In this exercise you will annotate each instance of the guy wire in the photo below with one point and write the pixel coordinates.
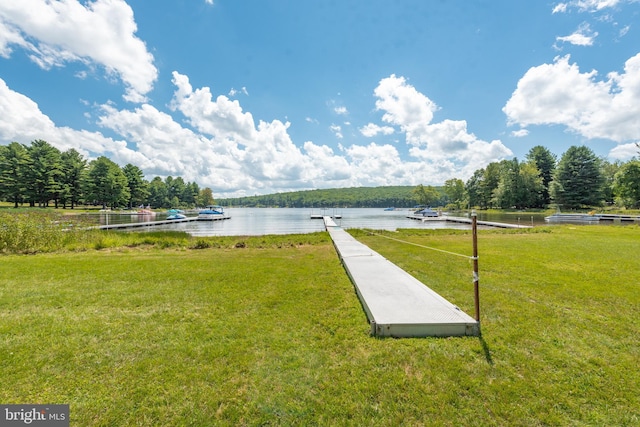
(421, 246)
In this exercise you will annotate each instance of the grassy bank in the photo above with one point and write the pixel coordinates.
(254, 332)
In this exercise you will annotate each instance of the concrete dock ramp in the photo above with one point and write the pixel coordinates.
(396, 303)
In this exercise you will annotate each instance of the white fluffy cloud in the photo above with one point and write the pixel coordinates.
(583, 36)
(371, 129)
(219, 145)
(101, 32)
(22, 121)
(559, 94)
(446, 149)
(624, 151)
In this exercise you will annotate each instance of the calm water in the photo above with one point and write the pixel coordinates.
(260, 221)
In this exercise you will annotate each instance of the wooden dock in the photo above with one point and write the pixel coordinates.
(463, 220)
(153, 223)
(396, 303)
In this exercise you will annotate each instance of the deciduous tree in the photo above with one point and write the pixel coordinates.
(626, 185)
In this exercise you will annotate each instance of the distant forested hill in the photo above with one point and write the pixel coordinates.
(359, 197)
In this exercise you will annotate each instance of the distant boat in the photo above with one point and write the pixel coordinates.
(571, 217)
(390, 209)
(212, 212)
(176, 216)
(426, 212)
(147, 212)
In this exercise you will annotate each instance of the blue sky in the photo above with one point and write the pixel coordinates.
(262, 96)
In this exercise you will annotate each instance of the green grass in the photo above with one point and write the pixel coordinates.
(269, 331)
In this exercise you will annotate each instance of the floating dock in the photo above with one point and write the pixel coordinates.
(463, 220)
(152, 223)
(396, 303)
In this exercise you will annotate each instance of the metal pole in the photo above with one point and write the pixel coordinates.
(476, 277)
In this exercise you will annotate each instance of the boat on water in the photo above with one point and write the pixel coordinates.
(427, 213)
(212, 213)
(176, 216)
(146, 212)
(572, 217)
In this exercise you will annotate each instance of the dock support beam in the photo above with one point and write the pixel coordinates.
(476, 276)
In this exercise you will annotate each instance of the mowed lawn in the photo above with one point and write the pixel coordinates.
(277, 336)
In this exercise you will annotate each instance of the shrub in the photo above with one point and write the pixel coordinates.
(31, 232)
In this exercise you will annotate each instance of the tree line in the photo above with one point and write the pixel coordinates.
(579, 179)
(39, 173)
(355, 197)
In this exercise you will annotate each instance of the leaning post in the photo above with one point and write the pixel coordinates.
(476, 277)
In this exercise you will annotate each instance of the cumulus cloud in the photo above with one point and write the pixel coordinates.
(624, 151)
(560, 94)
(371, 129)
(22, 121)
(404, 106)
(520, 133)
(101, 32)
(447, 149)
(216, 143)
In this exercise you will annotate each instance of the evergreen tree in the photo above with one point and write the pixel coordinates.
(14, 163)
(44, 175)
(106, 183)
(577, 181)
(138, 186)
(175, 190)
(545, 161)
(190, 194)
(158, 195)
(74, 166)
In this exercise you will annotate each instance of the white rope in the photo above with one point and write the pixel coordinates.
(422, 246)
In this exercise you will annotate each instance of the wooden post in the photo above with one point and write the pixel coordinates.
(476, 277)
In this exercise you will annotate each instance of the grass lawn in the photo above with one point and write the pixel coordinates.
(277, 336)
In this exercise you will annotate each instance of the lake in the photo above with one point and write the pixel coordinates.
(261, 221)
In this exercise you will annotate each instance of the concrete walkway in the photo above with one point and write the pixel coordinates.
(396, 303)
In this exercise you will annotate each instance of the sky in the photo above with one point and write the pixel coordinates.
(254, 97)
